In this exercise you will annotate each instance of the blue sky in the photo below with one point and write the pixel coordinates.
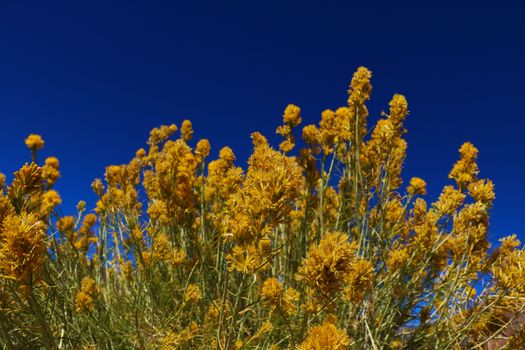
(94, 77)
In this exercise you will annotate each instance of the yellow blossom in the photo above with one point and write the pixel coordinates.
(227, 155)
(397, 258)
(193, 294)
(311, 135)
(292, 115)
(325, 336)
(359, 280)
(66, 224)
(417, 186)
(141, 153)
(34, 142)
(482, 191)
(86, 296)
(449, 200)
(23, 248)
(186, 130)
(465, 170)
(360, 87)
(203, 148)
(272, 291)
(328, 264)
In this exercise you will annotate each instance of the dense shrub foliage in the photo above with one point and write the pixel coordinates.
(315, 245)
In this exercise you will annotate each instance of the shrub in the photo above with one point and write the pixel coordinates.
(313, 248)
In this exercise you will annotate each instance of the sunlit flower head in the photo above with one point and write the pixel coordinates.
(324, 337)
(292, 115)
(23, 248)
(417, 186)
(86, 296)
(34, 142)
(203, 148)
(186, 130)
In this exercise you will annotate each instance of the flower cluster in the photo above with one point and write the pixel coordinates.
(313, 245)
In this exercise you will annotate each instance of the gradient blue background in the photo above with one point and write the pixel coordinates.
(93, 77)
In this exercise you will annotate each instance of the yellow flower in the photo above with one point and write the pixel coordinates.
(98, 187)
(203, 148)
(359, 280)
(272, 291)
(170, 341)
(244, 260)
(158, 211)
(417, 186)
(289, 301)
(328, 264)
(23, 248)
(397, 258)
(50, 170)
(193, 294)
(189, 332)
(311, 135)
(287, 145)
(360, 87)
(66, 224)
(162, 247)
(34, 142)
(88, 223)
(449, 200)
(227, 155)
(50, 200)
(86, 296)
(114, 174)
(508, 270)
(482, 191)
(398, 110)
(141, 153)
(292, 115)
(325, 337)
(396, 344)
(186, 130)
(158, 135)
(465, 170)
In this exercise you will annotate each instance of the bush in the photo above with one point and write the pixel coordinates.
(320, 248)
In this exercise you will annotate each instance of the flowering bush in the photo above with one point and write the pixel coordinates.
(317, 248)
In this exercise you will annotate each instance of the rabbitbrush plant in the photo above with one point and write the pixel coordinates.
(321, 247)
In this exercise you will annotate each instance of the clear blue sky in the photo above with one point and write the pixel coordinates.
(93, 77)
